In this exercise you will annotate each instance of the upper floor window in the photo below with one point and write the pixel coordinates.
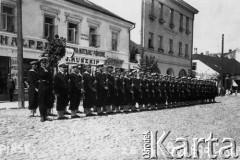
(180, 49)
(94, 39)
(181, 22)
(161, 18)
(194, 66)
(186, 50)
(115, 41)
(160, 39)
(187, 26)
(171, 12)
(150, 40)
(170, 46)
(50, 30)
(151, 14)
(72, 32)
(8, 18)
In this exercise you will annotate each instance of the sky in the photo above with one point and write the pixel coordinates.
(215, 17)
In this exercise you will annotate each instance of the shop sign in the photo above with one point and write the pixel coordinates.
(69, 52)
(114, 62)
(81, 60)
(40, 45)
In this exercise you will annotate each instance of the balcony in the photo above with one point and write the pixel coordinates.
(152, 16)
(181, 29)
(171, 25)
(188, 31)
(161, 21)
(8, 22)
(160, 50)
(94, 40)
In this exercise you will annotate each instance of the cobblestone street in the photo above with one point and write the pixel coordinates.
(116, 136)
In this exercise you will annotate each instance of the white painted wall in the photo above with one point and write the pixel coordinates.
(204, 71)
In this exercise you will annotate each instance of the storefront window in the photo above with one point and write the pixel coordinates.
(4, 71)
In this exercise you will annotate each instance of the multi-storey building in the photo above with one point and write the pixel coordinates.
(95, 34)
(167, 34)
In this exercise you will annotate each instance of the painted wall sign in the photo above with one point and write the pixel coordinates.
(81, 60)
(41, 45)
(114, 62)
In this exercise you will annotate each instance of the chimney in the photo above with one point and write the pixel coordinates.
(207, 53)
(195, 50)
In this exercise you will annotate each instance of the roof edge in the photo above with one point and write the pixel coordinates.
(111, 14)
(188, 6)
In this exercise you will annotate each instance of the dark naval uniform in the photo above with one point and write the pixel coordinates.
(44, 90)
(32, 90)
(61, 88)
(75, 91)
(90, 91)
(100, 88)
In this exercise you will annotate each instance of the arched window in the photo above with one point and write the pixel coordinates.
(182, 73)
(170, 72)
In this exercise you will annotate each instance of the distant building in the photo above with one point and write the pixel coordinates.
(232, 54)
(209, 67)
(167, 34)
(95, 34)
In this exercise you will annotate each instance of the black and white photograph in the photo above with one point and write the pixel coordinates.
(119, 79)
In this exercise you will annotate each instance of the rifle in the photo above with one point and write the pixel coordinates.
(82, 91)
(140, 87)
(115, 84)
(107, 83)
(132, 90)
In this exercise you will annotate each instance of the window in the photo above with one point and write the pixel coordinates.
(160, 38)
(171, 18)
(94, 39)
(49, 29)
(114, 41)
(170, 46)
(187, 26)
(180, 49)
(8, 19)
(151, 14)
(150, 40)
(181, 23)
(186, 50)
(161, 10)
(72, 32)
(194, 66)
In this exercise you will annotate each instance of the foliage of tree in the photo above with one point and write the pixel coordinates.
(149, 64)
(55, 50)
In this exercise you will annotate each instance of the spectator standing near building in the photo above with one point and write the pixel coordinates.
(10, 87)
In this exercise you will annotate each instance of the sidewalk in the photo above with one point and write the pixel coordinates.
(10, 105)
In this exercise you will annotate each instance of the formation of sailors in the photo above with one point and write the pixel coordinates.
(109, 91)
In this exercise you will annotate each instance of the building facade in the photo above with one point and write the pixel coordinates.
(167, 34)
(95, 34)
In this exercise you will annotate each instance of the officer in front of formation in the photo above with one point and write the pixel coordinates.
(44, 89)
(61, 89)
(75, 90)
(33, 88)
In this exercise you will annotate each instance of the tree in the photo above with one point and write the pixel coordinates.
(149, 64)
(55, 50)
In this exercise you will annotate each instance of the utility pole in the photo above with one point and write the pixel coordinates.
(20, 55)
(222, 63)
